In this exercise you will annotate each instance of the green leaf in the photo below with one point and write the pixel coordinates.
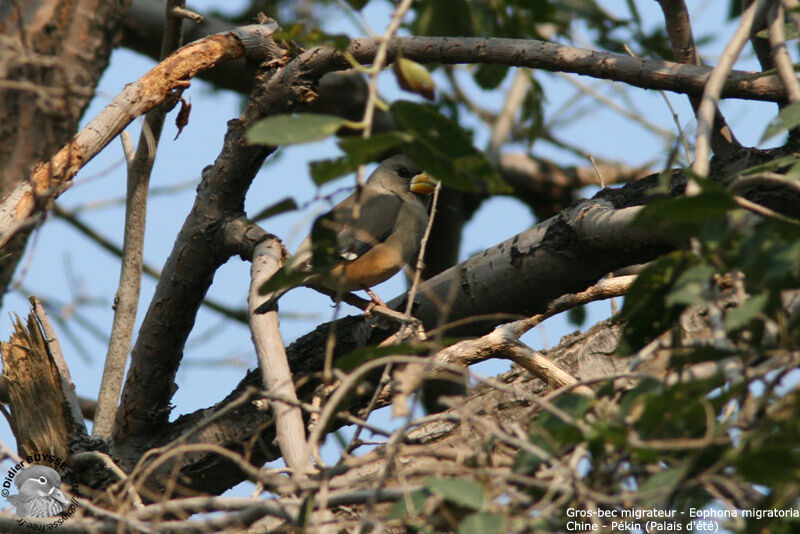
(458, 491)
(690, 285)
(788, 118)
(312, 36)
(528, 462)
(663, 483)
(283, 279)
(746, 311)
(577, 316)
(282, 206)
(789, 30)
(306, 509)
(559, 431)
(400, 509)
(772, 165)
(482, 523)
(374, 147)
(645, 312)
(444, 18)
(759, 466)
(324, 242)
(293, 129)
(413, 77)
(444, 149)
(687, 214)
(325, 170)
(490, 76)
(357, 4)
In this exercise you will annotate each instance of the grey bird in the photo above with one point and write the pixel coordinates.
(365, 239)
(40, 492)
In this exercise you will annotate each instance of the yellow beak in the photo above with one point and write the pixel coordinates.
(423, 184)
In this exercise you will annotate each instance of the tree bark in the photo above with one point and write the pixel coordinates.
(59, 50)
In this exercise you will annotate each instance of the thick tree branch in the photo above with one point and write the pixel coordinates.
(142, 27)
(638, 72)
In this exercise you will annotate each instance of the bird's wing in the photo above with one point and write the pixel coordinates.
(375, 222)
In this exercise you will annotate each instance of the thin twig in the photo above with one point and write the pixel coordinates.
(672, 111)
(505, 121)
(713, 89)
(423, 244)
(780, 54)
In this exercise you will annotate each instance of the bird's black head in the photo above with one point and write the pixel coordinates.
(400, 174)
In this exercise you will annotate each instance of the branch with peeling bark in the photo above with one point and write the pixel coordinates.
(50, 179)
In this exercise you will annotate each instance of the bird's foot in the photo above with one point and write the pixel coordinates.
(376, 301)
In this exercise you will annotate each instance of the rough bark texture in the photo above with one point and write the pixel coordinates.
(54, 51)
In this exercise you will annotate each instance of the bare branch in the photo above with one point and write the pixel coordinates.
(780, 55)
(679, 29)
(715, 87)
(126, 301)
(269, 256)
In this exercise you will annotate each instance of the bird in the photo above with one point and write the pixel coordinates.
(363, 240)
(40, 492)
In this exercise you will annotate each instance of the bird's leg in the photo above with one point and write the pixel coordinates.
(376, 301)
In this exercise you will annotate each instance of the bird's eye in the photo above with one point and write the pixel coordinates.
(404, 172)
(42, 480)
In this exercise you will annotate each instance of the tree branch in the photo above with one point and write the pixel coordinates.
(49, 179)
(268, 257)
(715, 87)
(679, 29)
(126, 301)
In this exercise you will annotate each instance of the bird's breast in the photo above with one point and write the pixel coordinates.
(377, 265)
